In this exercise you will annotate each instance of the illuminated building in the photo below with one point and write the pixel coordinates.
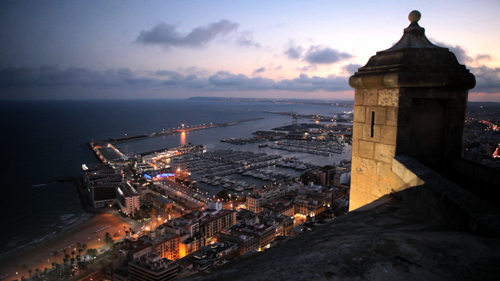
(166, 246)
(305, 205)
(189, 232)
(258, 198)
(242, 232)
(213, 221)
(128, 199)
(101, 181)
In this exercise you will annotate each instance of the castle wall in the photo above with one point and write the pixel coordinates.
(424, 123)
(374, 145)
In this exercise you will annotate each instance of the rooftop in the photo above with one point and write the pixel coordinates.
(127, 190)
(211, 216)
(152, 262)
(138, 245)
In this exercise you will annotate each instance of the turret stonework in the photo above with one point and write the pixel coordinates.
(410, 99)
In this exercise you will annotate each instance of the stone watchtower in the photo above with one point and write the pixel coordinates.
(410, 99)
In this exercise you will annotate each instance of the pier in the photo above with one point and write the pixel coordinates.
(106, 151)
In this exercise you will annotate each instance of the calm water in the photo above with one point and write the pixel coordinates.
(43, 142)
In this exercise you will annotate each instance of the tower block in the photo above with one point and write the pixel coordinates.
(410, 99)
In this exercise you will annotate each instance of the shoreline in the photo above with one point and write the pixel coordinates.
(39, 256)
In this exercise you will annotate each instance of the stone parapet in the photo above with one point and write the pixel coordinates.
(387, 242)
(433, 196)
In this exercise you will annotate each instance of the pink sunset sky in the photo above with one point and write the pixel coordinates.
(177, 49)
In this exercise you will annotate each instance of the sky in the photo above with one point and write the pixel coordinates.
(270, 49)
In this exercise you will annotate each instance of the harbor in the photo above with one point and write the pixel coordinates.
(269, 157)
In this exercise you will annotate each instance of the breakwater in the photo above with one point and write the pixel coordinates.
(180, 129)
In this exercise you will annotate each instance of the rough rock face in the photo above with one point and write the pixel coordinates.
(388, 242)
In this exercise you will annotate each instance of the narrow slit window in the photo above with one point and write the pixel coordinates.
(373, 123)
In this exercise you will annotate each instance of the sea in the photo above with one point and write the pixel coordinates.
(44, 142)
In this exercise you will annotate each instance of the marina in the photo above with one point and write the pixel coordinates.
(239, 171)
(236, 170)
(223, 162)
(325, 148)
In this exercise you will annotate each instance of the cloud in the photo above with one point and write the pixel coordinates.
(194, 70)
(349, 69)
(481, 57)
(325, 55)
(259, 70)
(224, 80)
(245, 39)
(166, 35)
(170, 77)
(311, 67)
(171, 74)
(305, 83)
(294, 52)
(315, 55)
(176, 79)
(459, 52)
(51, 77)
(487, 79)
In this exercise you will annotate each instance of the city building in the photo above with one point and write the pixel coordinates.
(165, 245)
(128, 199)
(101, 181)
(245, 242)
(280, 206)
(241, 232)
(191, 238)
(282, 223)
(214, 254)
(133, 249)
(326, 175)
(152, 267)
(307, 206)
(212, 221)
(262, 196)
(160, 201)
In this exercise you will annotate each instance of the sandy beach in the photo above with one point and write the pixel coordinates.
(40, 257)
